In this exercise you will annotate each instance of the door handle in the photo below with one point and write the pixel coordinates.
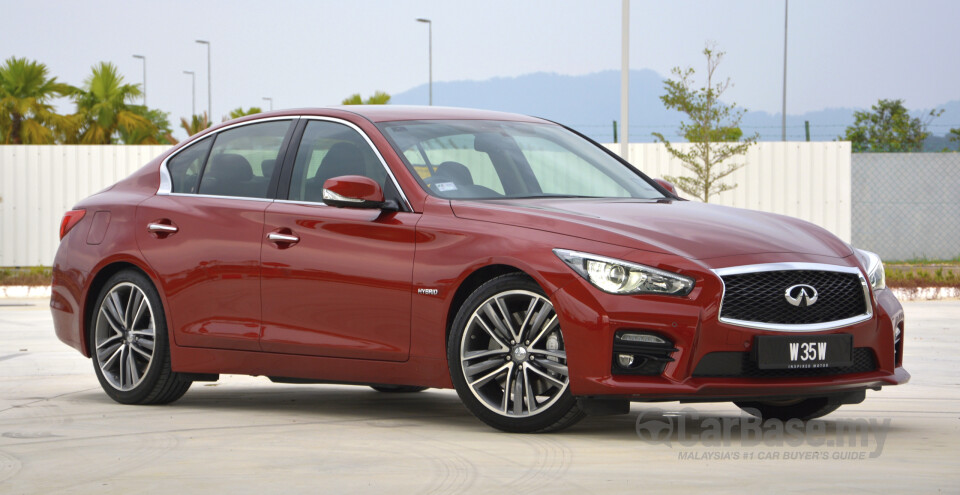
(162, 228)
(282, 238)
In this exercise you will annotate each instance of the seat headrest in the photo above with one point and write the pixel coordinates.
(342, 159)
(267, 166)
(231, 168)
(455, 171)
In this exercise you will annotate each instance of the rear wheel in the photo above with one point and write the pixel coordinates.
(784, 410)
(507, 358)
(128, 343)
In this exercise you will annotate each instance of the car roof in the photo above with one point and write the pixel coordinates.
(388, 113)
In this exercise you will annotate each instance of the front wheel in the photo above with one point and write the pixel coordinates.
(507, 358)
(129, 345)
(784, 410)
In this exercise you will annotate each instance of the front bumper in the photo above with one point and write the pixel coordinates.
(590, 318)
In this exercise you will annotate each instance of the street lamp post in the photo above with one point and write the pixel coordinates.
(144, 59)
(193, 83)
(625, 80)
(430, 52)
(783, 112)
(270, 100)
(209, 85)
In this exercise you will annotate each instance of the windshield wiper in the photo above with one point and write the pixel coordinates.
(546, 195)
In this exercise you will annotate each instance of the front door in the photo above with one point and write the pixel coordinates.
(336, 281)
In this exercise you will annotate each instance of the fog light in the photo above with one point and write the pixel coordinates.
(641, 337)
(625, 360)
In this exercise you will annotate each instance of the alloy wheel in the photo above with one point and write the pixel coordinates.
(125, 336)
(512, 354)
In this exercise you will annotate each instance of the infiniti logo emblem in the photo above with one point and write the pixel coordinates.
(801, 295)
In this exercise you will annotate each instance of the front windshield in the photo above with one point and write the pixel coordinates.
(483, 159)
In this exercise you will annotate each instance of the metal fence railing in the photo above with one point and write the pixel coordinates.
(907, 205)
(901, 205)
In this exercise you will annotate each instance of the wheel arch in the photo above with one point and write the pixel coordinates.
(97, 282)
(473, 281)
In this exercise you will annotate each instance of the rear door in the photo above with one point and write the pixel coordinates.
(201, 233)
(336, 281)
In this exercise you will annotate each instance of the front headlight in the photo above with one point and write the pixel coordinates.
(622, 277)
(875, 273)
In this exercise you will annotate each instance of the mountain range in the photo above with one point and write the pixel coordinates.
(590, 103)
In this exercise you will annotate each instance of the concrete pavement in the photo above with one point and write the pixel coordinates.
(60, 433)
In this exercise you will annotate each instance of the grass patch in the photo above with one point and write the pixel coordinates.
(923, 260)
(923, 276)
(899, 274)
(27, 275)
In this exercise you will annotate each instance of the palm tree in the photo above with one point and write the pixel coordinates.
(196, 123)
(26, 116)
(161, 134)
(103, 107)
(238, 112)
(378, 98)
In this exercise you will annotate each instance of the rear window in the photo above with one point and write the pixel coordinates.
(243, 160)
(185, 167)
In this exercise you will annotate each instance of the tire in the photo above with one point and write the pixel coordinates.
(397, 389)
(129, 343)
(487, 353)
(802, 409)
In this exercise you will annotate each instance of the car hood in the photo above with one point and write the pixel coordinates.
(685, 228)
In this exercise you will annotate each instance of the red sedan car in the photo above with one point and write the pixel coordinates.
(505, 256)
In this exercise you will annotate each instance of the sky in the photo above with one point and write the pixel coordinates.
(841, 53)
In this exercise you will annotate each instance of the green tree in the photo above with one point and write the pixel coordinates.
(196, 123)
(713, 130)
(26, 115)
(160, 134)
(238, 112)
(378, 98)
(954, 136)
(104, 108)
(888, 127)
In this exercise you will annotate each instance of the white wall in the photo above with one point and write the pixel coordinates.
(807, 180)
(39, 183)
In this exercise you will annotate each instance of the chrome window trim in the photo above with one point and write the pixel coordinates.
(302, 203)
(782, 327)
(216, 196)
(166, 182)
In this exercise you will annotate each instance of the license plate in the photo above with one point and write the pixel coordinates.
(804, 352)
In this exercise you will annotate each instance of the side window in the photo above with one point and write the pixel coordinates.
(243, 160)
(185, 167)
(561, 172)
(328, 150)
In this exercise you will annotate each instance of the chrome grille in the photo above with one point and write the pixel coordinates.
(758, 297)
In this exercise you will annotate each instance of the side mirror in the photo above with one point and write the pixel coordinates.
(355, 191)
(668, 186)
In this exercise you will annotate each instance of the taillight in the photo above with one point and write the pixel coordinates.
(70, 219)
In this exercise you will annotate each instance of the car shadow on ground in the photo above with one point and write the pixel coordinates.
(653, 423)
(325, 403)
